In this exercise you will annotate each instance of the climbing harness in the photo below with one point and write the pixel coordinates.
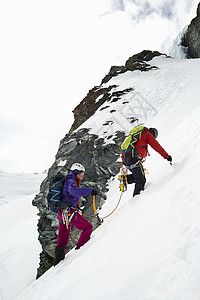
(67, 216)
(134, 165)
(139, 163)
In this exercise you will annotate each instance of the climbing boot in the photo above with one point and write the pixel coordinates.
(59, 255)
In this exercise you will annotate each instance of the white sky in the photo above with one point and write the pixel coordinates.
(53, 52)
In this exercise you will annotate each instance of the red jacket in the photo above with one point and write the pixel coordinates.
(148, 139)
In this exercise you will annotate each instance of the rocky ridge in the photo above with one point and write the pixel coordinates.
(100, 94)
(135, 62)
(191, 38)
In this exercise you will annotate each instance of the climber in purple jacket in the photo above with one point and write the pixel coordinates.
(72, 193)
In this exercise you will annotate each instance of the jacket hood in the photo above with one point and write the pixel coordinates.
(71, 176)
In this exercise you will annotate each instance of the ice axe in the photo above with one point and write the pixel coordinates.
(170, 159)
(96, 213)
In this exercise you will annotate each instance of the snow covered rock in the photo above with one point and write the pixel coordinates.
(87, 107)
(178, 50)
(135, 62)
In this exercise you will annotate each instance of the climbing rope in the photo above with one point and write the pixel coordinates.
(96, 213)
(112, 210)
(124, 172)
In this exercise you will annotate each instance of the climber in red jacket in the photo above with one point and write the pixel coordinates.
(148, 137)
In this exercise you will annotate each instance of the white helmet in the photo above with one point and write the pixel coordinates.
(78, 167)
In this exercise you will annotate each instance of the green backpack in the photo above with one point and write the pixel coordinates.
(128, 145)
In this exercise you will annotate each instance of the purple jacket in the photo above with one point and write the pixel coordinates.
(74, 191)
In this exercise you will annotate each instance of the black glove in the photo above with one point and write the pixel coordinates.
(94, 193)
(169, 158)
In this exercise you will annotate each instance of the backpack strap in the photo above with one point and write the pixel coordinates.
(67, 196)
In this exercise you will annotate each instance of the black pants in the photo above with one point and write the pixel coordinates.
(138, 174)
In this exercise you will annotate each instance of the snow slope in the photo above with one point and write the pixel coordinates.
(177, 50)
(15, 185)
(19, 249)
(149, 249)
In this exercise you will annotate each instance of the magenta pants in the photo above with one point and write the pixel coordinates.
(80, 223)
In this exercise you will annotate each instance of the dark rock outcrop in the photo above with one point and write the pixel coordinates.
(191, 39)
(135, 62)
(89, 105)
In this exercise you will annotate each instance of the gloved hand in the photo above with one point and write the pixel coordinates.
(94, 193)
(169, 158)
